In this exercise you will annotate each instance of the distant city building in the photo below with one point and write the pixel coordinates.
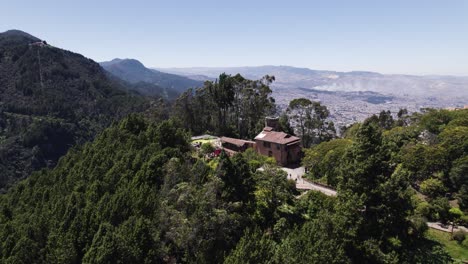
(42, 43)
(456, 108)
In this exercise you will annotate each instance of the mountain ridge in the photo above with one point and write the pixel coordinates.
(133, 71)
(293, 77)
(19, 33)
(207, 68)
(50, 100)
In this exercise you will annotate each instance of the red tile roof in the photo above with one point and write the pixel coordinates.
(277, 137)
(235, 141)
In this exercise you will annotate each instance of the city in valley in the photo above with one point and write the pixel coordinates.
(350, 96)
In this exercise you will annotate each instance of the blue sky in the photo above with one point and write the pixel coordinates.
(411, 36)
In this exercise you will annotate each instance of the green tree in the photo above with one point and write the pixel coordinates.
(386, 120)
(237, 178)
(440, 207)
(321, 240)
(254, 247)
(456, 216)
(310, 117)
(379, 193)
(104, 247)
(424, 161)
(433, 187)
(455, 141)
(285, 124)
(229, 106)
(222, 92)
(274, 196)
(403, 117)
(323, 161)
(301, 109)
(435, 120)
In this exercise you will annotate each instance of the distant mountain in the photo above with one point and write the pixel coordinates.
(15, 35)
(50, 100)
(389, 84)
(146, 89)
(133, 71)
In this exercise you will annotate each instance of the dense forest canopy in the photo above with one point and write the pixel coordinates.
(432, 149)
(137, 194)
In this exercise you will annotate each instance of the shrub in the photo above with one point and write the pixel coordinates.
(459, 236)
(207, 148)
(464, 220)
(419, 225)
(423, 209)
(465, 243)
(433, 187)
(440, 210)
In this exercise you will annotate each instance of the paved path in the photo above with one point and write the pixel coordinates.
(302, 184)
(206, 136)
(446, 228)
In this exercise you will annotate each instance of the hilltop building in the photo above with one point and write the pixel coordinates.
(285, 148)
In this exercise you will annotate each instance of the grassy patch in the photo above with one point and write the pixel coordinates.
(456, 251)
(322, 180)
(204, 141)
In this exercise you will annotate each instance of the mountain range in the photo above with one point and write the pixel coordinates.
(133, 71)
(443, 87)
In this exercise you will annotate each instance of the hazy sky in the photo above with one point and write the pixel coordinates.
(391, 36)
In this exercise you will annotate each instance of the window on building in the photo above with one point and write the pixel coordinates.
(270, 153)
(278, 146)
(266, 144)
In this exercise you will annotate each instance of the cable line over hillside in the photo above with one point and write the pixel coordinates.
(40, 69)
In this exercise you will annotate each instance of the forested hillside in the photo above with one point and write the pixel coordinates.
(430, 151)
(133, 71)
(50, 100)
(137, 194)
(145, 89)
(432, 147)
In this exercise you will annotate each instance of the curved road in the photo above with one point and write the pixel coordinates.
(302, 184)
